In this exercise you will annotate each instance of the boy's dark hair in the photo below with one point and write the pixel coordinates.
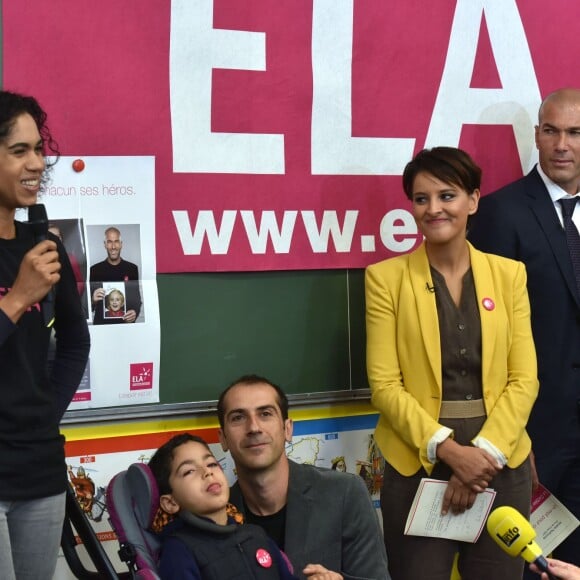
(12, 105)
(249, 380)
(161, 462)
(448, 164)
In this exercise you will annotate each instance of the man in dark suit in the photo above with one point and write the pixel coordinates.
(525, 221)
(324, 520)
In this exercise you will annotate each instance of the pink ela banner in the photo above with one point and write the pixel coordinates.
(280, 128)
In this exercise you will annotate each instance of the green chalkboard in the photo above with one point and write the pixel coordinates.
(303, 330)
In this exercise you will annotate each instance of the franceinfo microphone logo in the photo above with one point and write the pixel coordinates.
(509, 536)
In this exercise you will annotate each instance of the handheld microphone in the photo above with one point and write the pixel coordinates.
(515, 536)
(38, 222)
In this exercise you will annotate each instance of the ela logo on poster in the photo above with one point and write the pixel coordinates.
(141, 376)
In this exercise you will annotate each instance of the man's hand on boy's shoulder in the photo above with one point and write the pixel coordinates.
(318, 572)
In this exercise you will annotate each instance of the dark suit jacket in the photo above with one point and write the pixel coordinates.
(520, 222)
(330, 520)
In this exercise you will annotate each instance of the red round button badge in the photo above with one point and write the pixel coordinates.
(488, 303)
(263, 557)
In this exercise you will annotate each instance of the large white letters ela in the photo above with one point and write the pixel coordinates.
(334, 150)
(516, 103)
(196, 48)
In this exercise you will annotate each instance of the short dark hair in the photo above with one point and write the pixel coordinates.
(249, 380)
(12, 105)
(161, 462)
(112, 229)
(449, 164)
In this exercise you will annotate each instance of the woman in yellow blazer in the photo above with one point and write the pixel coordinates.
(452, 370)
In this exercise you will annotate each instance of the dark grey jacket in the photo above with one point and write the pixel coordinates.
(330, 520)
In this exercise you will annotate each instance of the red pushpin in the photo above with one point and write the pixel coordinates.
(488, 303)
(78, 165)
(263, 557)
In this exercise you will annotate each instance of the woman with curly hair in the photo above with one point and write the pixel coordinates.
(33, 475)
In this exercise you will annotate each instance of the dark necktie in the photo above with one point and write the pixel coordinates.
(572, 235)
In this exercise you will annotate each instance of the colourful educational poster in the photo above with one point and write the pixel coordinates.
(281, 128)
(103, 209)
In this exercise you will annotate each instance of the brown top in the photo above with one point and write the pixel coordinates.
(460, 335)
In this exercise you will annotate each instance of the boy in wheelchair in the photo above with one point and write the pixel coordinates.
(202, 536)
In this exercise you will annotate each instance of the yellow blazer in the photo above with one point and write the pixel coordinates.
(404, 356)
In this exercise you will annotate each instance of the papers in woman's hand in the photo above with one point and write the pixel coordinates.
(425, 517)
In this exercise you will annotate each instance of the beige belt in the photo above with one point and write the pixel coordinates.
(462, 409)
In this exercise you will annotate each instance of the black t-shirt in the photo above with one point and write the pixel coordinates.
(125, 272)
(31, 447)
(274, 525)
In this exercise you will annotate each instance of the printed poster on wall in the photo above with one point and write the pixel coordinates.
(103, 209)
